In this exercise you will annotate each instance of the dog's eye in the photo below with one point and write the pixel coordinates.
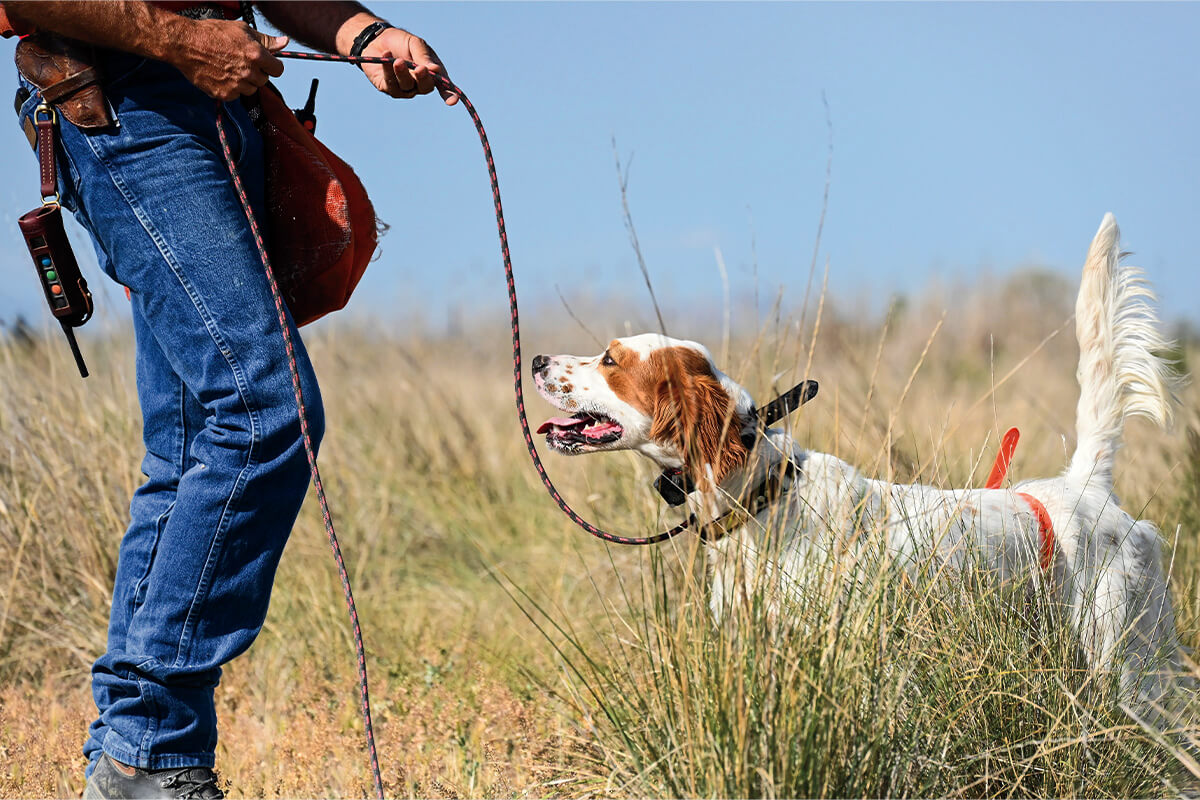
(608, 360)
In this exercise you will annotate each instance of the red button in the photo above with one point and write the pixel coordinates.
(56, 289)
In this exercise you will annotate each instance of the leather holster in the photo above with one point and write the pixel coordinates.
(64, 71)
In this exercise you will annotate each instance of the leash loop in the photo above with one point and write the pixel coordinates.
(445, 83)
(781, 406)
(778, 408)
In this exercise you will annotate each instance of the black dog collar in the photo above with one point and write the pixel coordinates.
(778, 482)
(674, 484)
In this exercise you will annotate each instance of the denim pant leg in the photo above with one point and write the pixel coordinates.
(209, 525)
(171, 419)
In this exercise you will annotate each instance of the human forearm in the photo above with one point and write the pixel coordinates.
(223, 58)
(130, 25)
(329, 25)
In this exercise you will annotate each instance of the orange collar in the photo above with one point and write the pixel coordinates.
(1008, 446)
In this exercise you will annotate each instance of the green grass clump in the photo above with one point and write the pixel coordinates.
(884, 686)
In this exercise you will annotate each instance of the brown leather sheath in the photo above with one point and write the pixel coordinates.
(63, 70)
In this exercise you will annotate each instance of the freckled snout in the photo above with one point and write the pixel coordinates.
(540, 363)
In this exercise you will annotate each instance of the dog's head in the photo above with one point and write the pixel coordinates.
(659, 396)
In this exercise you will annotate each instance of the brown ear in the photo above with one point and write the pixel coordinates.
(693, 411)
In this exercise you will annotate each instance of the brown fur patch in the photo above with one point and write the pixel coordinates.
(632, 379)
(690, 409)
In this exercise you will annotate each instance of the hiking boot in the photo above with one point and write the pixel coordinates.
(111, 781)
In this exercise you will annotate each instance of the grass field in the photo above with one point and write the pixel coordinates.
(513, 655)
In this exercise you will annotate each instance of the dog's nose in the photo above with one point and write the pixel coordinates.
(540, 363)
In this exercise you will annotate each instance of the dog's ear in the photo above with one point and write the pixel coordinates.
(694, 412)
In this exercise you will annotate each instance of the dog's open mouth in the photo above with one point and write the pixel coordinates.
(568, 434)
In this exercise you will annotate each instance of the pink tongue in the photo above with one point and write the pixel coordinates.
(561, 422)
(601, 428)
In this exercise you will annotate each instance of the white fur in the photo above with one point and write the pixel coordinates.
(1107, 567)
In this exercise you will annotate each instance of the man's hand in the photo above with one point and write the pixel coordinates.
(333, 26)
(226, 59)
(398, 80)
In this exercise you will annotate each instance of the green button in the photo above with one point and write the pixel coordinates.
(51, 275)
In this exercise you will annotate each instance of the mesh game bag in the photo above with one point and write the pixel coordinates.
(321, 226)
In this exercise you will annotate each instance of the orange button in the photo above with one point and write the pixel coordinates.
(56, 289)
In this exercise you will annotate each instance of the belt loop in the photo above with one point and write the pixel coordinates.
(46, 119)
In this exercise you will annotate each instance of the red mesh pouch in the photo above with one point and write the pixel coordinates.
(321, 226)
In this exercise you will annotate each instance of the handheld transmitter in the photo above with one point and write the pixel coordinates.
(64, 287)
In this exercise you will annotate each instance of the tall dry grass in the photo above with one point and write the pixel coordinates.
(512, 655)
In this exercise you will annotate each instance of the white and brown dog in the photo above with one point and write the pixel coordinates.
(665, 399)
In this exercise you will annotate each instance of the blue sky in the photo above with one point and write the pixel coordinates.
(967, 137)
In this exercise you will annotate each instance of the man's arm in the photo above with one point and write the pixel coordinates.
(224, 59)
(332, 25)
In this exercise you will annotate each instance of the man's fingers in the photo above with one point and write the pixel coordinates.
(420, 76)
(440, 78)
(267, 62)
(385, 79)
(272, 66)
(424, 54)
(399, 82)
(272, 43)
(402, 79)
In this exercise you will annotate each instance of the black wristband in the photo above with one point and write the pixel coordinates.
(366, 36)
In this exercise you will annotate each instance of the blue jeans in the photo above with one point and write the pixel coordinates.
(225, 465)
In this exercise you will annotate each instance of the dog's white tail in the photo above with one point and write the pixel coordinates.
(1121, 369)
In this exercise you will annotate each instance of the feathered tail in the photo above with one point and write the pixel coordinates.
(1121, 368)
